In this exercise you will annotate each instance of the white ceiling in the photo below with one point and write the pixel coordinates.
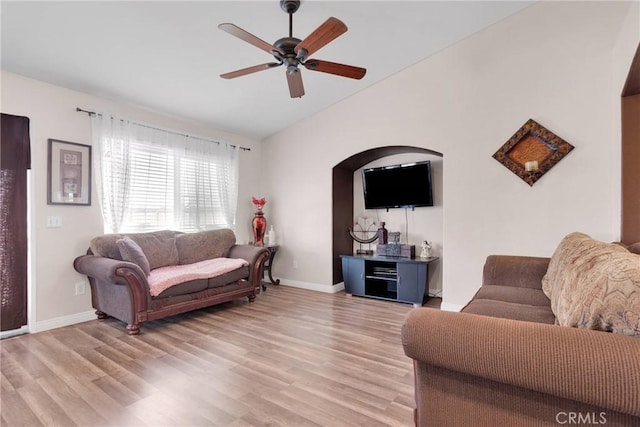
(167, 56)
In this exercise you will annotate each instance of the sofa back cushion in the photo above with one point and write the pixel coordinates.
(106, 246)
(132, 252)
(209, 244)
(159, 247)
(634, 248)
(594, 285)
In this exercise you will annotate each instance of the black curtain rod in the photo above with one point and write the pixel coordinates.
(93, 113)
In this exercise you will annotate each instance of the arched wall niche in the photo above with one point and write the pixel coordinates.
(342, 196)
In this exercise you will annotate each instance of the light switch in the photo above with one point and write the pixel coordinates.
(54, 222)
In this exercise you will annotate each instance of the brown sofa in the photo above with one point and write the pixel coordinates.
(148, 276)
(503, 362)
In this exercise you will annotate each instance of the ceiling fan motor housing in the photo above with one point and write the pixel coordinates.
(290, 6)
(287, 45)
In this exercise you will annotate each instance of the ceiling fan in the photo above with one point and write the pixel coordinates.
(292, 52)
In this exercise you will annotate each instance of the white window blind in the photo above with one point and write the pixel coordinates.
(173, 181)
(151, 190)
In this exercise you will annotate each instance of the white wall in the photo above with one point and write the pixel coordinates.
(553, 62)
(52, 114)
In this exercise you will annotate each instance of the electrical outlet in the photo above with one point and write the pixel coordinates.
(81, 288)
(295, 264)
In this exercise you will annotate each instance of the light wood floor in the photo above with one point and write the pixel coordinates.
(291, 358)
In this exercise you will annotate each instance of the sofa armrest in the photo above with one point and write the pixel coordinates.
(592, 367)
(103, 270)
(256, 256)
(118, 288)
(518, 271)
(108, 270)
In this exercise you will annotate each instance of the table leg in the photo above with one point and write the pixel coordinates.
(268, 265)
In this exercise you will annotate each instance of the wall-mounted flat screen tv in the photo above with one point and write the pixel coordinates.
(399, 186)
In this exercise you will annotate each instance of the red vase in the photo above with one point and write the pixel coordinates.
(259, 228)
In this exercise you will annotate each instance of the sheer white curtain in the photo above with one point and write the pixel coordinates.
(111, 138)
(165, 180)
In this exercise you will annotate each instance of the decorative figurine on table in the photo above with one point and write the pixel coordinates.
(380, 236)
(259, 223)
(426, 250)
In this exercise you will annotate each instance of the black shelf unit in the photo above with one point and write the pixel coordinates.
(381, 279)
(388, 278)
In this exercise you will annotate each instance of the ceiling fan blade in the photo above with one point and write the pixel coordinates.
(325, 33)
(249, 70)
(294, 78)
(334, 68)
(234, 30)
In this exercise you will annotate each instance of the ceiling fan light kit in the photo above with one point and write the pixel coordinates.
(293, 52)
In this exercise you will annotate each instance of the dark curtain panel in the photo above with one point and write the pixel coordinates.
(15, 159)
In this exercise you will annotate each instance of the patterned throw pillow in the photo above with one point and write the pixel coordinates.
(131, 251)
(594, 285)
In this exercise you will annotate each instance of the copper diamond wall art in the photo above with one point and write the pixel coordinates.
(532, 151)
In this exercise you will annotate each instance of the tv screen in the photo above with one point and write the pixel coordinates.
(398, 186)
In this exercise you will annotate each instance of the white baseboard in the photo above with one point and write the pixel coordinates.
(451, 307)
(329, 289)
(14, 332)
(59, 322)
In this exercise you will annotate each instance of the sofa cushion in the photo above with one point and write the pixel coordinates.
(634, 248)
(527, 296)
(510, 310)
(230, 277)
(131, 251)
(158, 246)
(196, 247)
(106, 246)
(165, 300)
(166, 277)
(594, 285)
(188, 287)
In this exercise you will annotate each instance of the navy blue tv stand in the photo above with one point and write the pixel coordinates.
(389, 278)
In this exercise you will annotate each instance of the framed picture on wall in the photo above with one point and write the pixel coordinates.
(69, 173)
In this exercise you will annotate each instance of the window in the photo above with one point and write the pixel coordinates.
(154, 179)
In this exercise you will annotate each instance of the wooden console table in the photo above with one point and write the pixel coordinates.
(267, 267)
